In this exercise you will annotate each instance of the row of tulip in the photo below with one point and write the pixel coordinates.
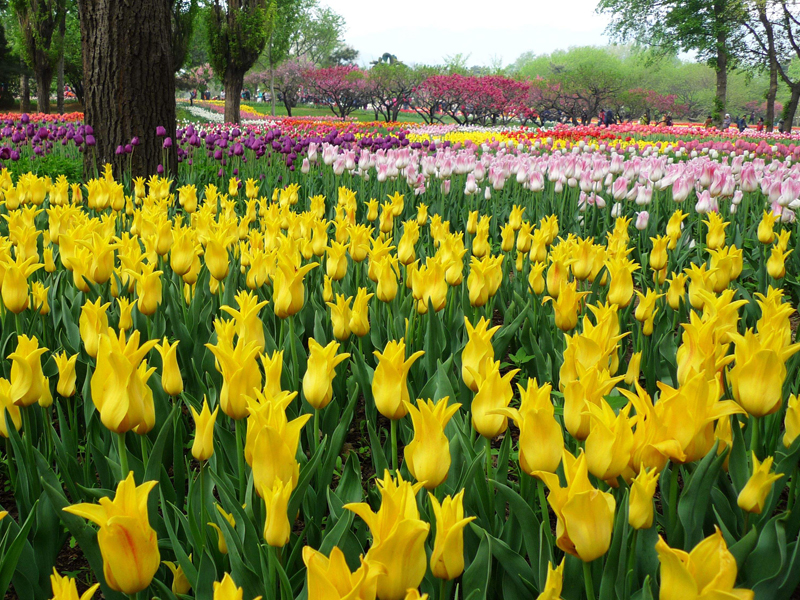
(286, 387)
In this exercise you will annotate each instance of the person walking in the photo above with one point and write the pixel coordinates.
(726, 122)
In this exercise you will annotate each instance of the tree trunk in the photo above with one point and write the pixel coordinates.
(25, 94)
(44, 78)
(720, 100)
(129, 82)
(233, 96)
(272, 92)
(62, 30)
(772, 92)
(60, 83)
(288, 104)
(790, 109)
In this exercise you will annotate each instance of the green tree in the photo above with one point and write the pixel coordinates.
(39, 40)
(708, 27)
(318, 36)
(238, 31)
(392, 86)
(183, 17)
(287, 16)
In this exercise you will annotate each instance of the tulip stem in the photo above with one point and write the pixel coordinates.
(203, 504)
(673, 498)
(295, 373)
(393, 430)
(240, 459)
(754, 436)
(442, 590)
(587, 581)
(631, 561)
(792, 488)
(543, 507)
(123, 455)
(145, 452)
(316, 429)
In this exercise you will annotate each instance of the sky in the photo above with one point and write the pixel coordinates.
(425, 31)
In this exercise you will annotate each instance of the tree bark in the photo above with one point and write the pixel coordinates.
(272, 92)
(720, 100)
(233, 96)
(25, 94)
(129, 86)
(44, 77)
(62, 30)
(790, 109)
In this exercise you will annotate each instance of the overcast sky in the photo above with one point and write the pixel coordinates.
(425, 31)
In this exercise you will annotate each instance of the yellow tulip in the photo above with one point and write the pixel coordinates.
(66, 374)
(688, 414)
(620, 291)
(554, 583)
(240, 375)
(447, 557)
(227, 590)
(776, 263)
(65, 588)
(28, 383)
(336, 263)
(430, 286)
(272, 440)
(15, 282)
(566, 305)
(791, 421)
(536, 282)
(128, 545)
(222, 546)
(119, 383)
(389, 386)
(340, 317)
(359, 315)
(754, 494)
(148, 289)
(477, 351)
(171, 380)
(759, 372)
(277, 528)
(708, 571)
(766, 235)
(422, 214)
(428, 454)
(640, 502)
(715, 238)
(646, 310)
(273, 368)
(180, 583)
(541, 441)
(321, 369)
(585, 515)
(331, 579)
(676, 292)
(288, 290)
(92, 323)
(609, 444)
(634, 368)
(203, 445)
(398, 537)
(39, 297)
(658, 255)
(515, 217)
(249, 326)
(494, 393)
(386, 270)
(7, 406)
(589, 388)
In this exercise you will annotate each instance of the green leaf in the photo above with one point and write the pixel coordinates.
(477, 575)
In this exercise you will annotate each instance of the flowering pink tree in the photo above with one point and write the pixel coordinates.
(197, 78)
(343, 88)
(290, 80)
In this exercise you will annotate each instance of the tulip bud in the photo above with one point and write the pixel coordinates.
(447, 558)
(66, 374)
(203, 446)
(171, 380)
(640, 502)
(791, 421)
(277, 528)
(754, 494)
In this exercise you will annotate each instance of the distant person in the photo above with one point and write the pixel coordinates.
(609, 118)
(742, 125)
(726, 122)
(668, 120)
(760, 124)
(602, 117)
(192, 96)
(644, 119)
(709, 122)
(752, 116)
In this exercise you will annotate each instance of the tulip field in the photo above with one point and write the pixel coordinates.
(347, 361)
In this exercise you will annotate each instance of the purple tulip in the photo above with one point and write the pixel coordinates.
(120, 149)
(90, 141)
(161, 131)
(160, 169)
(135, 141)
(168, 142)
